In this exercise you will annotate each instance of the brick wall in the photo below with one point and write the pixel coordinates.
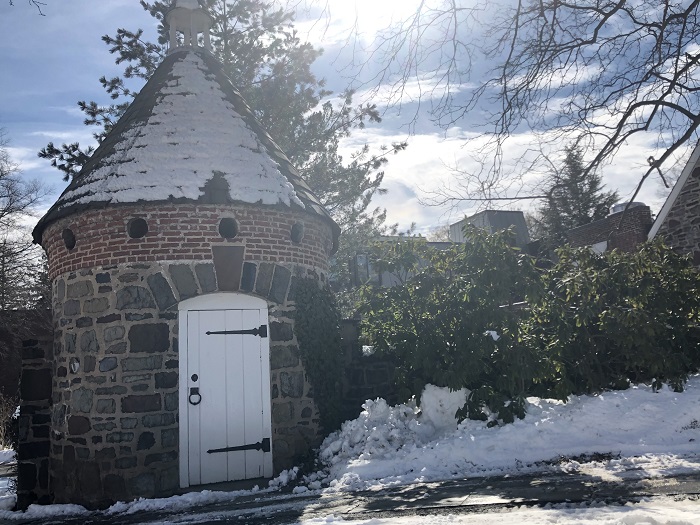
(635, 227)
(184, 232)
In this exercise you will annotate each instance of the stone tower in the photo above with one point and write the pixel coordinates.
(173, 257)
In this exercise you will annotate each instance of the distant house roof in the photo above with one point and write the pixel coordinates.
(188, 136)
(623, 230)
(493, 221)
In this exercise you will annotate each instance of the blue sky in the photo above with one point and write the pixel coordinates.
(49, 63)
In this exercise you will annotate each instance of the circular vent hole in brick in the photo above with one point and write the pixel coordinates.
(137, 228)
(297, 232)
(228, 228)
(68, 238)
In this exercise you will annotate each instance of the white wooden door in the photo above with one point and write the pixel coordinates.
(227, 391)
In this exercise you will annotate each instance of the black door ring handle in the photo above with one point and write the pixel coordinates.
(195, 392)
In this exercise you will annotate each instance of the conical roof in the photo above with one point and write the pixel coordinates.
(188, 136)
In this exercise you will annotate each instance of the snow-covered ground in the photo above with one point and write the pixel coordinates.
(635, 432)
(7, 500)
(661, 511)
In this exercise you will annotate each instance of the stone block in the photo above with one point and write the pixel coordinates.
(169, 480)
(141, 403)
(88, 478)
(138, 317)
(166, 380)
(115, 486)
(102, 278)
(114, 333)
(105, 453)
(169, 437)
(134, 298)
(206, 277)
(172, 401)
(120, 437)
(88, 342)
(128, 423)
(111, 318)
(149, 338)
(79, 289)
(96, 306)
(69, 343)
(137, 364)
(81, 400)
(146, 441)
(89, 362)
(283, 357)
(161, 290)
(84, 322)
(118, 348)
(162, 457)
(124, 463)
(280, 284)
(248, 277)
(292, 384)
(142, 485)
(281, 331)
(158, 420)
(71, 308)
(264, 280)
(106, 406)
(35, 384)
(33, 450)
(104, 426)
(108, 363)
(184, 280)
(136, 378)
(78, 425)
(282, 412)
(111, 390)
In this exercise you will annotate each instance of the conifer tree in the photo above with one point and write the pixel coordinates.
(575, 197)
(264, 56)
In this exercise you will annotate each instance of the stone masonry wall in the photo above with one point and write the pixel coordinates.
(115, 387)
(186, 232)
(34, 422)
(681, 228)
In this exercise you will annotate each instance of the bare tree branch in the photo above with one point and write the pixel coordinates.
(599, 72)
(34, 3)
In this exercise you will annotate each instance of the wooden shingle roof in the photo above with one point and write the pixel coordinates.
(188, 136)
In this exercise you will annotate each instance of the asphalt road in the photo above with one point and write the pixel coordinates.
(448, 497)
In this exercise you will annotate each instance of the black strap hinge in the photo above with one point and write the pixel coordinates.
(261, 331)
(263, 445)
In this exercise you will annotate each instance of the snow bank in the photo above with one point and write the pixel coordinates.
(397, 445)
(661, 511)
(7, 456)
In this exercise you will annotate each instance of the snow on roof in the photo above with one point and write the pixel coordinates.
(187, 129)
(187, 4)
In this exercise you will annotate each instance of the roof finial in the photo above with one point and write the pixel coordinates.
(189, 19)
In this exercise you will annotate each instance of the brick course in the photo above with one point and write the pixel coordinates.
(184, 232)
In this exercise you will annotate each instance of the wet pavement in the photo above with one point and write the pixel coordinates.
(471, 495)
